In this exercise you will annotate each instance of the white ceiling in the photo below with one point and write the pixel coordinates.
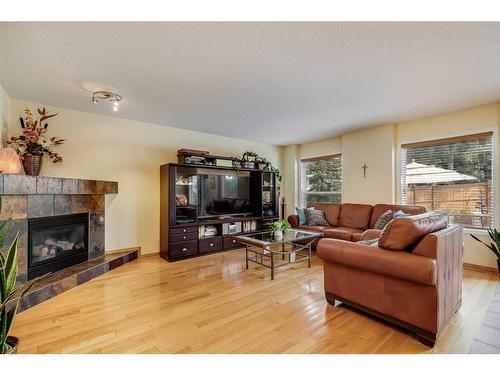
(280, 83)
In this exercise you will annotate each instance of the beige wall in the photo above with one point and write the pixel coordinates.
(4, 115)
(130, 152)
(373, 147)
(378, 148)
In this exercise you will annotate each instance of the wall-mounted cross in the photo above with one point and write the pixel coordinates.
(364, 170)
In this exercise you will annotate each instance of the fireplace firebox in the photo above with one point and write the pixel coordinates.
(57, 242)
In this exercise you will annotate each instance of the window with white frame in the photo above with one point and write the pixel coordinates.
(453, 175)
(321, 180)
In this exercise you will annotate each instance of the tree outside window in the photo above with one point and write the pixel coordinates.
(321, 180)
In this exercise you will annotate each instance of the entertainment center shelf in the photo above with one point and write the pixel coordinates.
(203, 206)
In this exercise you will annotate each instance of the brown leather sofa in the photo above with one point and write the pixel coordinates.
(411, 277)
(351, 222)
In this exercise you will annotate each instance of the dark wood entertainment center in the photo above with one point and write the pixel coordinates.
(185, 233)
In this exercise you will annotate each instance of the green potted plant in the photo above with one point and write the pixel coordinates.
(493, 246)
(278, 227)
(10, 295)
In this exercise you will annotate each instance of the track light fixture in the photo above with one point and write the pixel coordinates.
(109, 96)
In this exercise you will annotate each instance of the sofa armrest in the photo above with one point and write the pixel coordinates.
(396, 264)
(293, 220)
(370, 234)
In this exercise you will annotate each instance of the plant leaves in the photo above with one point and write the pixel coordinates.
(8, 312)
(11, 265)
(11, 312)
(494, 249)
(491, 246)
(4, 230)
(47, 117)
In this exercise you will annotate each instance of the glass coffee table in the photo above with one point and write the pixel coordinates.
(266, 250)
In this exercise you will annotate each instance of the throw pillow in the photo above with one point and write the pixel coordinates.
(400, 214)
(315, 217)
(384, 219)
(301, 213)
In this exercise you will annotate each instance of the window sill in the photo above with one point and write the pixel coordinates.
(477, 232)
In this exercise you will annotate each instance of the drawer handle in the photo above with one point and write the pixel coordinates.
(211, 244)
(183, 237)
(184, 249)
(234, 241)
(183, 231)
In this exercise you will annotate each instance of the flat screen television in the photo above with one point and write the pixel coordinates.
(224, 193)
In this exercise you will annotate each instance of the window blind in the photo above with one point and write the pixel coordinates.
(321, 179)
(453, 175)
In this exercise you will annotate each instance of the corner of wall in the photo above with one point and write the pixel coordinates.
(4, 116)
(290, 183)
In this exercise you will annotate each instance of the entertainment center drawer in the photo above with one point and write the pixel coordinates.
(210, 244)
(183, 230)
(184, 237)
(183, 249)
(230, 242)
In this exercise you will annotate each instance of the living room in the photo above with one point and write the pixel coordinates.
(250, 188)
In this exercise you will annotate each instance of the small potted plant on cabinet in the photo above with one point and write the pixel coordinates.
(278, 227)
(493, 246)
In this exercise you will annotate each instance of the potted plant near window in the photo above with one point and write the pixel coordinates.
(493, 246)
(10, 295)
(34, 143)
(278, 227)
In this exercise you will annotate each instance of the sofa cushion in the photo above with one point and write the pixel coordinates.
(293, 220)
(357, 236)
(400, 265)
(404, 232)
(355, 215)
(331, 210)
(315, 217)
(370, 234)
(379, 209)
(314, 228)
(341, 233)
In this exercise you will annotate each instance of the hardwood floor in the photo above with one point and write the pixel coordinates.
(212, 304)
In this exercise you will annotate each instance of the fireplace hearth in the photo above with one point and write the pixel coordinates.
(57, 242)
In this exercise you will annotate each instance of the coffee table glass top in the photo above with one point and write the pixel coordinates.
(267, 237)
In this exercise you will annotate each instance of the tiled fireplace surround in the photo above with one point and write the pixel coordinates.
(26, 197)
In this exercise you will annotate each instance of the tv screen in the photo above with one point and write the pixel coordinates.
(224, 194)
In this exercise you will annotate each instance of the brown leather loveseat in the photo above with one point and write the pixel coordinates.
(411, 277)
(352, 222)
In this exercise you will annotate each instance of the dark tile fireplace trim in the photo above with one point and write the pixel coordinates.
(25, 197)
(62, 281)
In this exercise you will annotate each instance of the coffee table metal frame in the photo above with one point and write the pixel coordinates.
(261, 250)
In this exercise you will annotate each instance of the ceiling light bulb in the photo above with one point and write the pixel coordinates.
(115, 108)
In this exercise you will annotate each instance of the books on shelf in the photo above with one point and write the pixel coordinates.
(250, 226)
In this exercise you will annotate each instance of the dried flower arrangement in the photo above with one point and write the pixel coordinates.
(34, 140)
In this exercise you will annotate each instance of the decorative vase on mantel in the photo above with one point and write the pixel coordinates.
(32, 164)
